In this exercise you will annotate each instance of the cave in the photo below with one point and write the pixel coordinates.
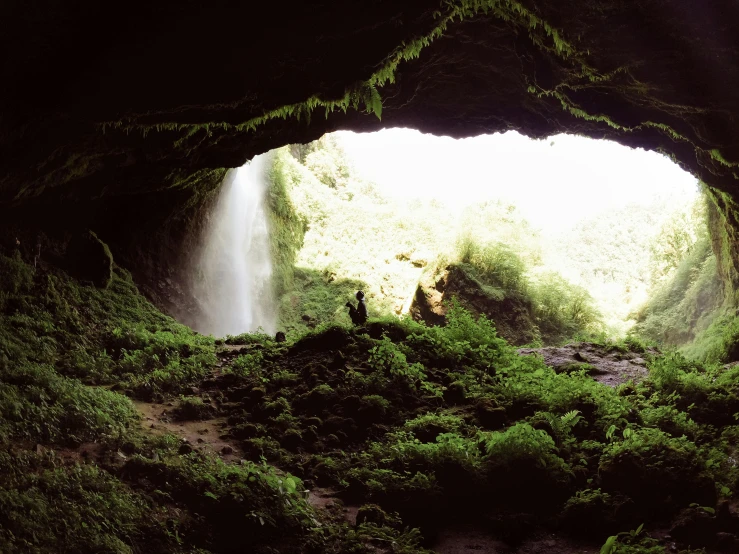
(122, 124)
(117, 127)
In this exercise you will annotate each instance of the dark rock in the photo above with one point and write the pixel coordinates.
(727, 542)
(313, 421)
(490, 415)
(338, 361)
(663, 477)
(310, 436)
(89, 259)
(280, 337)
(372, 513)
(333, 424)
(128, 447)
(245, 431)
(455, 393)
(694, 526)
(351, 405)
(291, 440)
(185, 448)
(226, 450)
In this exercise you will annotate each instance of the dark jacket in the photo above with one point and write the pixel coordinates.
(362, 311)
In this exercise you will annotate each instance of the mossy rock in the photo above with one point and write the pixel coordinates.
(372, 513)
(291, 440)
(595, 514)
(89, 259)
(193, 409)
(455, 393)
(489, 414)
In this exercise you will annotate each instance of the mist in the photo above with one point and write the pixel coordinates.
(232, 277)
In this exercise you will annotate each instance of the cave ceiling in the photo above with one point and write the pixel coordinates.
(105, 102)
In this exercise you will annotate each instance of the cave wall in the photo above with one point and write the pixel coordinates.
(122, 120)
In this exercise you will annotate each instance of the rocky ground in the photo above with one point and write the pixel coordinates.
(606, 365)
(296, 408)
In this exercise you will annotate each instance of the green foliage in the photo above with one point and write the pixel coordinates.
(522, 444)
(566, 285)
(56, 334)
(159, 360)
(245, 504)
(718, 343)
(248, 364)
(72, 508)
(496, 264)
(15, 276)
(388, 358)
(464, 339)
(560, 309)
(683, 307)
(38, 404)
(563, 310)
(287, 227)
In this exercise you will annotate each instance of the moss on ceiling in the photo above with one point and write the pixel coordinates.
(145, 105)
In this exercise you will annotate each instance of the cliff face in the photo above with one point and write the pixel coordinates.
(121, 121)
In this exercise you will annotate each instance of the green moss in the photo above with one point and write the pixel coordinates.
(716, 155)
(287, 227)
(101, 336)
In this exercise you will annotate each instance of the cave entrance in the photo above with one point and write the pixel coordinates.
(553, 239)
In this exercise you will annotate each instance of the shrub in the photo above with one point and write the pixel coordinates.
(656, 471)
(495, 264)
(522, 445)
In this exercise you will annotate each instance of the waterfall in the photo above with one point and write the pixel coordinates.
(232, 284)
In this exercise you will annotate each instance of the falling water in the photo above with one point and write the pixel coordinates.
(232, 285)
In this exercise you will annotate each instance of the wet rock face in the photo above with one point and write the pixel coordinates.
(136, 107)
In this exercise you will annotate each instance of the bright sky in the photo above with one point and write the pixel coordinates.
(554, 182)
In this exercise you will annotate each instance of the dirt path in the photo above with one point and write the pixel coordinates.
(205, 435)
(327, 499)
(200, 435)
(610, 367)
(468, 539)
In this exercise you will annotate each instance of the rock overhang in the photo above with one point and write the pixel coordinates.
(105, 112)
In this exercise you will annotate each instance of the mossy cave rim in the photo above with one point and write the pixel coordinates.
(122, 121)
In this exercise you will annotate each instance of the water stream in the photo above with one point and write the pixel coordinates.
(232, 283)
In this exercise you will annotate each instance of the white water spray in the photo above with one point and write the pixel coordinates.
(232, 284)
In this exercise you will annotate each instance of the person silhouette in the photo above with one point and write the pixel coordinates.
(358, 315)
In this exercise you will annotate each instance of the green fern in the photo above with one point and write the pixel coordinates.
(570, 419)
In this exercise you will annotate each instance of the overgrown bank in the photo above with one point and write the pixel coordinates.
(694, 310)
(417, 426)
(78, 474)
